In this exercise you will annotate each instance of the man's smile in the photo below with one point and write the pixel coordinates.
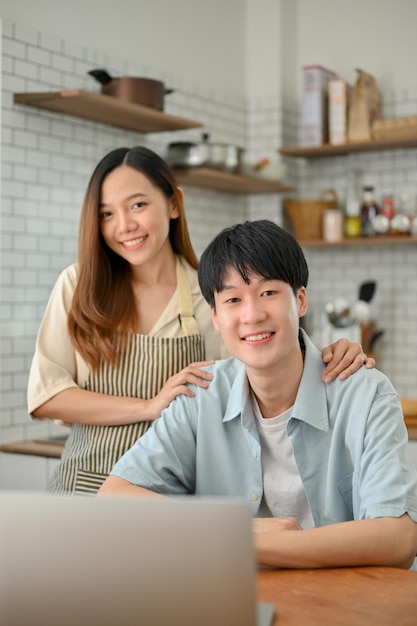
(258, 337)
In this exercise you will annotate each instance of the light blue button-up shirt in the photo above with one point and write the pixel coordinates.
(349, 442)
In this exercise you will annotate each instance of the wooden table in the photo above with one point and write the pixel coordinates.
(361, 596)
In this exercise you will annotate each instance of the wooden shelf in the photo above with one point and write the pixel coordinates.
(359, 241)
(327, 150)
(226, 182)
(105, 110)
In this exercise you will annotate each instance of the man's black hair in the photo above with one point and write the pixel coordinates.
(258, 247)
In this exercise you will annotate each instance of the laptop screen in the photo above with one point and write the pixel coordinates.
(124, 561)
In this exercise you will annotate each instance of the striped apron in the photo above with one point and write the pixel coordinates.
(91, 451)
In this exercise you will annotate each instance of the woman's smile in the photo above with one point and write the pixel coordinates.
(134, 243)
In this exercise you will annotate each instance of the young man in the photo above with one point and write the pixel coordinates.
(324, 467)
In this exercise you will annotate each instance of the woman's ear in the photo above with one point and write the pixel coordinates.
(174, 210)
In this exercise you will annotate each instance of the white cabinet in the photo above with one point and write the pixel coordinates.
(25, 471)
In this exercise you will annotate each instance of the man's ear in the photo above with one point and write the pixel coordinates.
(214, 317)
(302, 301)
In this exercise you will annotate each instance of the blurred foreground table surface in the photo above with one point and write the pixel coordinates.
(354, 596)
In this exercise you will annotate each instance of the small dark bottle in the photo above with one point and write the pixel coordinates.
(369, 210)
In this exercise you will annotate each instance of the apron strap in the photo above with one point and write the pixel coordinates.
(186, 316)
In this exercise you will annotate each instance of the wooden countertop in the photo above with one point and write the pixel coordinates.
(409, 406)
(36, 447)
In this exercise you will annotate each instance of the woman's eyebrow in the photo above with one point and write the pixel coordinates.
(131, 197)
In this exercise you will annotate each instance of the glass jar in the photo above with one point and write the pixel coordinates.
(332, 225)
(402, 221)
(400, 224)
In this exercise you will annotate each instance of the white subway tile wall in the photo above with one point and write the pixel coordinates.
(47, 160)
(340, 271)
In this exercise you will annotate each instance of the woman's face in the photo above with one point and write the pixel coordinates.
(134, 216)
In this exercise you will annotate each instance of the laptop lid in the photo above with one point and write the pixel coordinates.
(123, 561)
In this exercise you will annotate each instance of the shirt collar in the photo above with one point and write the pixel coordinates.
(310, 404)
(311, 401)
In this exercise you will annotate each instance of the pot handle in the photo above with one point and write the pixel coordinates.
(101, 76)
(328, 194)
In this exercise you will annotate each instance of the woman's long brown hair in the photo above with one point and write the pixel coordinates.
(102, 310)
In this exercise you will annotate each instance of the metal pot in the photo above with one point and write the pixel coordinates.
(146, 91)
(197, 154)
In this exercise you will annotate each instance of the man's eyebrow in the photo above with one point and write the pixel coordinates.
(225, 287)
(259, 279)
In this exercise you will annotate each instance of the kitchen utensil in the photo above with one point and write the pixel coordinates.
(367, 291)
(146, 91)
(375, 338)
(331, 315)
(265, 169)
(367, 332)
(197, 154)
(342, 312)
(361, 312)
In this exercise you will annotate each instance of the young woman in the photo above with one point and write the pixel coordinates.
(126, 329)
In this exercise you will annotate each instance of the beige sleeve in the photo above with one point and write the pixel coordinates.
(56, 366)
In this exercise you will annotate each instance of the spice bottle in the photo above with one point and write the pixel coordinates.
(382, 222)
(388, 207)
(369, 210)
(352, 220)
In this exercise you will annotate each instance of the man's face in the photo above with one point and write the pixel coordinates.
(259, 322)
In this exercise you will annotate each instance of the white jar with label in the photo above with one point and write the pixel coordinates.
(332, 225)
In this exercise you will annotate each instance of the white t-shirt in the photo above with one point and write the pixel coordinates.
(284, 494)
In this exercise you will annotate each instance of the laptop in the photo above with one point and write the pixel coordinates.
(118, 561)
